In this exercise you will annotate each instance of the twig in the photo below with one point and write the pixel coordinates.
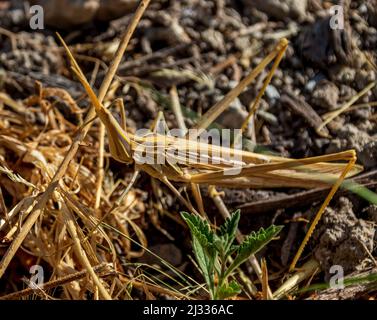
(177, 110)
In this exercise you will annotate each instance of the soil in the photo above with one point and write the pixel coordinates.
(205, 48)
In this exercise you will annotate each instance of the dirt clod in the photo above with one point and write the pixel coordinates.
(350, 137)
(343, 239)
(325, 95)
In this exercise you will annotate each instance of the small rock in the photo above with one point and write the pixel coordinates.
(322, 47)
(272, 93)
(234, 116)
(113, 9)
(70, 13)
(312, 83)
(320, 143)
(347, 92)
(343, 74)
(242, 43)
(372, 12)
(215, 39)
(325, 95)
(349, 137)
(280, 9)
(367, 126)
(363, 78)
(362, 113)
(368, 155)
(363, 8)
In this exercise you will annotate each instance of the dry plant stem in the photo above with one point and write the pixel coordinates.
(109, 78)
(34, 215)
(328, 117)
(12, 36)
(265, 287)
(101, 162)
(307, 270)
(81, 255)
(118, 202)
(38, 208)
(54, 283)
(177, 110)
(3, 208)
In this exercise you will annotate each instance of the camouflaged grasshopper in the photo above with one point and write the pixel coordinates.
(253, 171)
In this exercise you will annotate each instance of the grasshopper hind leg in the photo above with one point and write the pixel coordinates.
(351, 162)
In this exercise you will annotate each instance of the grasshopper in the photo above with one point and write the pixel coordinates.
(254, 170)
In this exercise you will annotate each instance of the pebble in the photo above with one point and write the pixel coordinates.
(350, 137)
(344, 75)
(215, 39)
(368, 155)
(234, 116)
(325, 95)
(272, 93)
(347, 92)
(310, 85)
(70, 13)
(363, 78)
(280, 9)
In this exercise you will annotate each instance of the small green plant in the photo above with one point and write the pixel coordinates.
(213, 250)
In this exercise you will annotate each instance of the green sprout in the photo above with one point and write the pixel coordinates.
(216, 254)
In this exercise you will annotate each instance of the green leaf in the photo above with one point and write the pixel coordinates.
(203, 261)
(200, 229)
(229, 229)
(203, 246)
(252, 244)
(228, 290)
(230, 225)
